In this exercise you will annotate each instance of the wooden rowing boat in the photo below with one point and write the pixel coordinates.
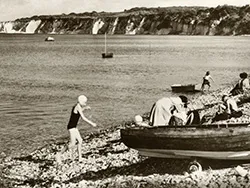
(183, 88)
(229, 142)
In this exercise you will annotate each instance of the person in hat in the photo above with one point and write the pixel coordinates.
(227, 110)
(162, 111)
(75, 137)
(242, 85)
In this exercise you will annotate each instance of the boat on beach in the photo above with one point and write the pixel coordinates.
(214, 141)
(183, 88)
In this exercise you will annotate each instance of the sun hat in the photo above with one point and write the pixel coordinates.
(82, 99)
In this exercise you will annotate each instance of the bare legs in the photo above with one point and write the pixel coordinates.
(74, 137)
(203, 87)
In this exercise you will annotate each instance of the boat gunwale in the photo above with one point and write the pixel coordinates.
(185, 132)
(197, 126)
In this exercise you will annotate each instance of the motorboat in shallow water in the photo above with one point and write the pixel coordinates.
(214, 141)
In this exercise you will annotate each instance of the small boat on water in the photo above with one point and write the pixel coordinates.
(183, 88)
(49, 39)
(106, 54)
(214, 141)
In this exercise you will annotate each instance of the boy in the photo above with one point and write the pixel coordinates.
(76, 112)
(206, 81)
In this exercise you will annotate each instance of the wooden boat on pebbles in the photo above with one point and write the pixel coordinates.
(183, 88)
(215, 141)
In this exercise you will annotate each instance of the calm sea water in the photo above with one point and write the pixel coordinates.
(40, 81)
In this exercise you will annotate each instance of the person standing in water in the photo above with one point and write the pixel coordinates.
(76, 113)
(206, 81)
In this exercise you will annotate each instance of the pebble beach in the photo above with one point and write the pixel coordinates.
(107, 162)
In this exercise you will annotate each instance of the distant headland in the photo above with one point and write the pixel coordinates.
(221, 20)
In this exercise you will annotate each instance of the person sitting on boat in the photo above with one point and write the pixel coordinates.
(206, 81)
(165, 108)
(242, 85)
(227, 110)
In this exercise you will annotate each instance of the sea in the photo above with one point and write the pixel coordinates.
(40, 81)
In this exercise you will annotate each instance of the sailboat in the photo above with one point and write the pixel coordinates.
(106, 54)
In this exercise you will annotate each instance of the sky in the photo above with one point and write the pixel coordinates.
(13, 9)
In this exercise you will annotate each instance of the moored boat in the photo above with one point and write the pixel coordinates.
(225, 142)
(183, 88)
(49, 39)
(106, 54)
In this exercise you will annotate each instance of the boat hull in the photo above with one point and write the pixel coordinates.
(107, 55)
(49, 39)
(183, 88)
(229, 142)
(220, 155)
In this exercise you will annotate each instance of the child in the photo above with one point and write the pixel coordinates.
(206, 81)
(76, 112)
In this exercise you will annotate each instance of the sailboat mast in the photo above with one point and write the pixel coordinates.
(105, 44)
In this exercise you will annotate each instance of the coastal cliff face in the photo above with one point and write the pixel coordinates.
(222, 20)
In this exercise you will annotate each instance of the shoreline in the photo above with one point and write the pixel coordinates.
(109, 163)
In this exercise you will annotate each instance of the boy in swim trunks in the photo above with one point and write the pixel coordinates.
(206, 81)
(76, 113)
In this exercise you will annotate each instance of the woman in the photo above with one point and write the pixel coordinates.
(75, 137)
(242, 85)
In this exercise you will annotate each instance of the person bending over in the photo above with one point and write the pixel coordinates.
(75, 137)
(165, 108)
